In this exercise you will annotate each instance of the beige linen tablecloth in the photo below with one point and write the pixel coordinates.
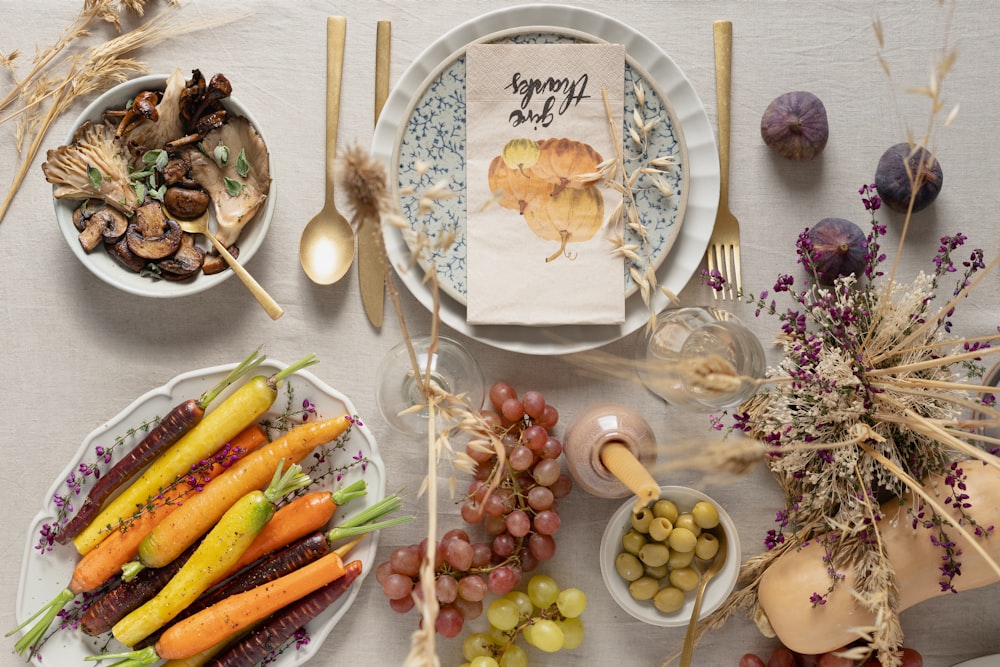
(75, 351)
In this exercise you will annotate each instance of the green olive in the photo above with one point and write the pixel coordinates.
(679, 559)
(643, 588)
(657, 571)
(707, 546)
(668, 599)
(665, 508)
(629, 567)
(685, 578)
(654, 553)
(705, 514)
(686, 520)
(682, 539)
(632, 541)
(659, 528)
(640, 520)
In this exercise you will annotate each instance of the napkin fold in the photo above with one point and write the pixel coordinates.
(537, 128)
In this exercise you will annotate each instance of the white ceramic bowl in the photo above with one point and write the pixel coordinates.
(719, 587)
(102, 264)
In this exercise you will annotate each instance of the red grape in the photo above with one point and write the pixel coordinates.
(542, 547)
(502, 580)
(518, 523)
(469, 609)
(512, 409)
(504, 544)
(397, 586)
(534, 437)
(521, 458)
(500, 392)
(449, 621)
(458, 553)
(472, 587)
(751, 660)
(540, 498)
(562, 486)
(549, 418)
(547, 522)
(551, 449)
(402, 605)
(406, 560)
(382, 571)
(534, 404)
(446, 589)
(546, 472)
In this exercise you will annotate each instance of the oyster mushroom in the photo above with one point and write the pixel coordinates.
(153, 235)
(165, 125)
(91, 166)
(236, 198)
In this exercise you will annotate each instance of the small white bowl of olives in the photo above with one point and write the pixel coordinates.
(652, 559)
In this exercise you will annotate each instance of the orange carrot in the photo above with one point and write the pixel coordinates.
(197, 515)
(298, 518)
(234, 614)
(121, 546)
(227, 617)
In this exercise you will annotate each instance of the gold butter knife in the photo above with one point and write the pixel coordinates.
(371, 263)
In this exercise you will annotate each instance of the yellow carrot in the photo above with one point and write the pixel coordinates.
(220, 425)
(123, 545)
(197, 515)
(236, 529)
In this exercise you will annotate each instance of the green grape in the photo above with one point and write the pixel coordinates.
(484, 661)
(523, 602)
(514, 656)
(572, 629)
(571, 602)
(503, 614)
(543, 591)
(475, 645)
(547, 635)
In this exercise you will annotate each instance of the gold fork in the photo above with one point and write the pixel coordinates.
(724, 247)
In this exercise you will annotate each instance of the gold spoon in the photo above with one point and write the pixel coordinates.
(199, 225)
(326, 249)
(713, 569)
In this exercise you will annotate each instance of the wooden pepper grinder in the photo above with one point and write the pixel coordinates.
(608, 448)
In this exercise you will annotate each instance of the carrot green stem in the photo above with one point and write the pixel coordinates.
(44, 616)
(345, 495)
(132, 568)
(285, 482)
(144, 656)
(304, 362)
(355, 525)
(246, 366)
(340, 532)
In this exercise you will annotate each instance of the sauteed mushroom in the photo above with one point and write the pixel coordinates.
(153, 235)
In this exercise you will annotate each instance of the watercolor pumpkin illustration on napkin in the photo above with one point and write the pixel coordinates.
(537, 131)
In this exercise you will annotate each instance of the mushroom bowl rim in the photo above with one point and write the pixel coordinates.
(101, 264)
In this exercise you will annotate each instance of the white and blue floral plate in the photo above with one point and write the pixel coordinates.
(423, 123)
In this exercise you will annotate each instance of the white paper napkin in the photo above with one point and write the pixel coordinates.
(538, 252)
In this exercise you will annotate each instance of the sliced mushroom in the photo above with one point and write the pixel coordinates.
(153, 235)
(214, 262)
(84, 211)
(106, 224)
(185, 262)
(185, 203)
(128, 259)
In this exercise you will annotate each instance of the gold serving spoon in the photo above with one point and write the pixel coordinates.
(326, 249)
(199, 225)
(713, 569)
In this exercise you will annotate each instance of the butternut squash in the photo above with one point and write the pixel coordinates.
(786, 586)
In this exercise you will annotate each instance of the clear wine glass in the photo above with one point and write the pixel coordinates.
(701, 358)
(400, 389)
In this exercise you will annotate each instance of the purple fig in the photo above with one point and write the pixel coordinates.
(894, 181)
(839, 249)
(794, 125)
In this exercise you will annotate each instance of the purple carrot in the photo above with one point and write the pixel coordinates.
(171, 428)
(129, 595)
(300, 553)
(263, 640)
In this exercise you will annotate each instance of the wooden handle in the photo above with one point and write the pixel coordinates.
(383, 53)
(336, 37)
(627, 469)
(723, 32)
(269, 305)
